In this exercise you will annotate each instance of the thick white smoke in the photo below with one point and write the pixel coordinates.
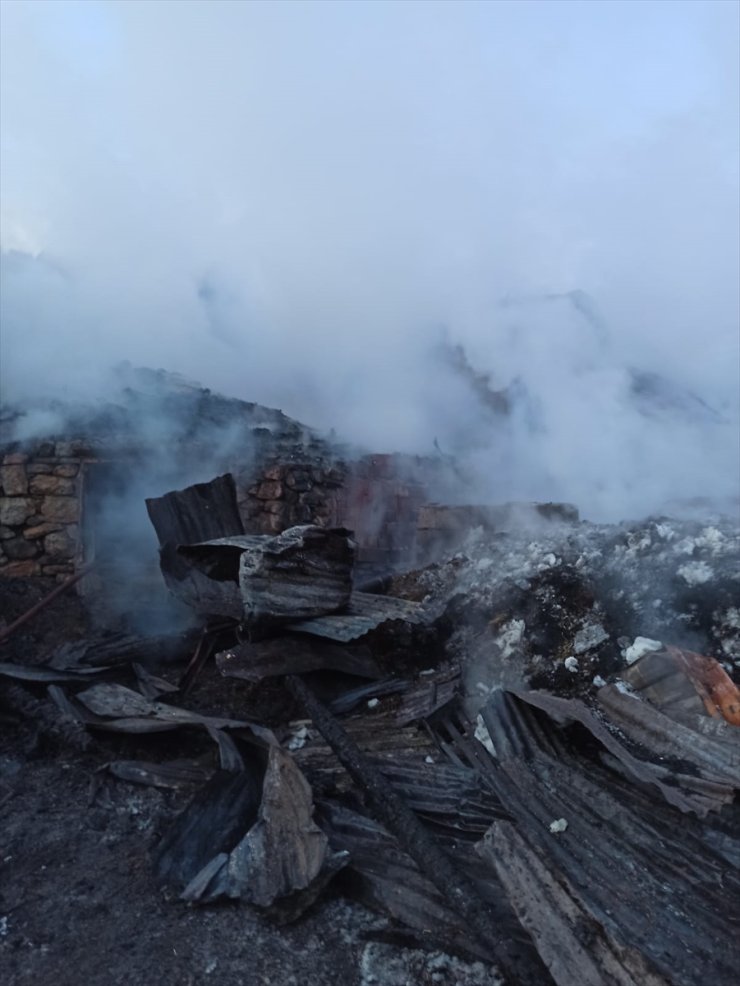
(310, 205)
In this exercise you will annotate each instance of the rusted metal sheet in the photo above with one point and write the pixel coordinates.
(40, 673)
(719, 693)
(388, 880)
(249, 835)
(174, 775)
(552, 911)
(684, 684)
(115, 708)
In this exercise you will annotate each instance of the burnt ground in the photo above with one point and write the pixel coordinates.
(78, 898)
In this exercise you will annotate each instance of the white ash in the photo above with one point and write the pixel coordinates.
(641, 646)
(624, 687)
(559, 825)
(571, 664)
(511, 637)
(589, 637)
(298, 738)
(695, 572)
(636, 573)
(387, 965)
(483, 736)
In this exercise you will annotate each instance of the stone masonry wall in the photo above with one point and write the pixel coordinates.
(371, 496)
(40, 511)
(285, 494)
(41, 500)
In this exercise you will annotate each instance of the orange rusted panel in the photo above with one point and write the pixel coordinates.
(718, 691)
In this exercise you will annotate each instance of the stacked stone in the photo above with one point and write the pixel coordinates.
(40, 511)
(286, 494)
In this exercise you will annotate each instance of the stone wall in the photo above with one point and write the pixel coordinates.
(40, 511)
(373, 496)
(284, 494)
(379, 497)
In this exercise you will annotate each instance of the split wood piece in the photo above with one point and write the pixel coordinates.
(399, 819)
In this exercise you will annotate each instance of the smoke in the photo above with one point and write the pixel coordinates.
(310, 205)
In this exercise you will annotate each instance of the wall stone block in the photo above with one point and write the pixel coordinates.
(13, 480)
(60, 508)
(19, 549)
(270, 490)
(21, 569)
(41, 530)
(15, 510)
(53, 485)
(60, 545)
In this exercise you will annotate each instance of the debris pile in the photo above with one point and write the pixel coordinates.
(525, 754)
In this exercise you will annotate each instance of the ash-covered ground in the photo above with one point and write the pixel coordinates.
(557, 607)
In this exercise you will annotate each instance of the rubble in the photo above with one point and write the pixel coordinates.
(515, 752)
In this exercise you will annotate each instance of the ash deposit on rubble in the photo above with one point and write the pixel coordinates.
(559, 606)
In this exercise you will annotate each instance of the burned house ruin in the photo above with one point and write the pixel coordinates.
(75, 496)
(519, 746)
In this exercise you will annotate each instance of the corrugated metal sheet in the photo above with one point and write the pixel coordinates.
(624, 888)
(364, 613)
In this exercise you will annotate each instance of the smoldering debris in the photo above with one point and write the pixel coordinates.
(515, 770)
